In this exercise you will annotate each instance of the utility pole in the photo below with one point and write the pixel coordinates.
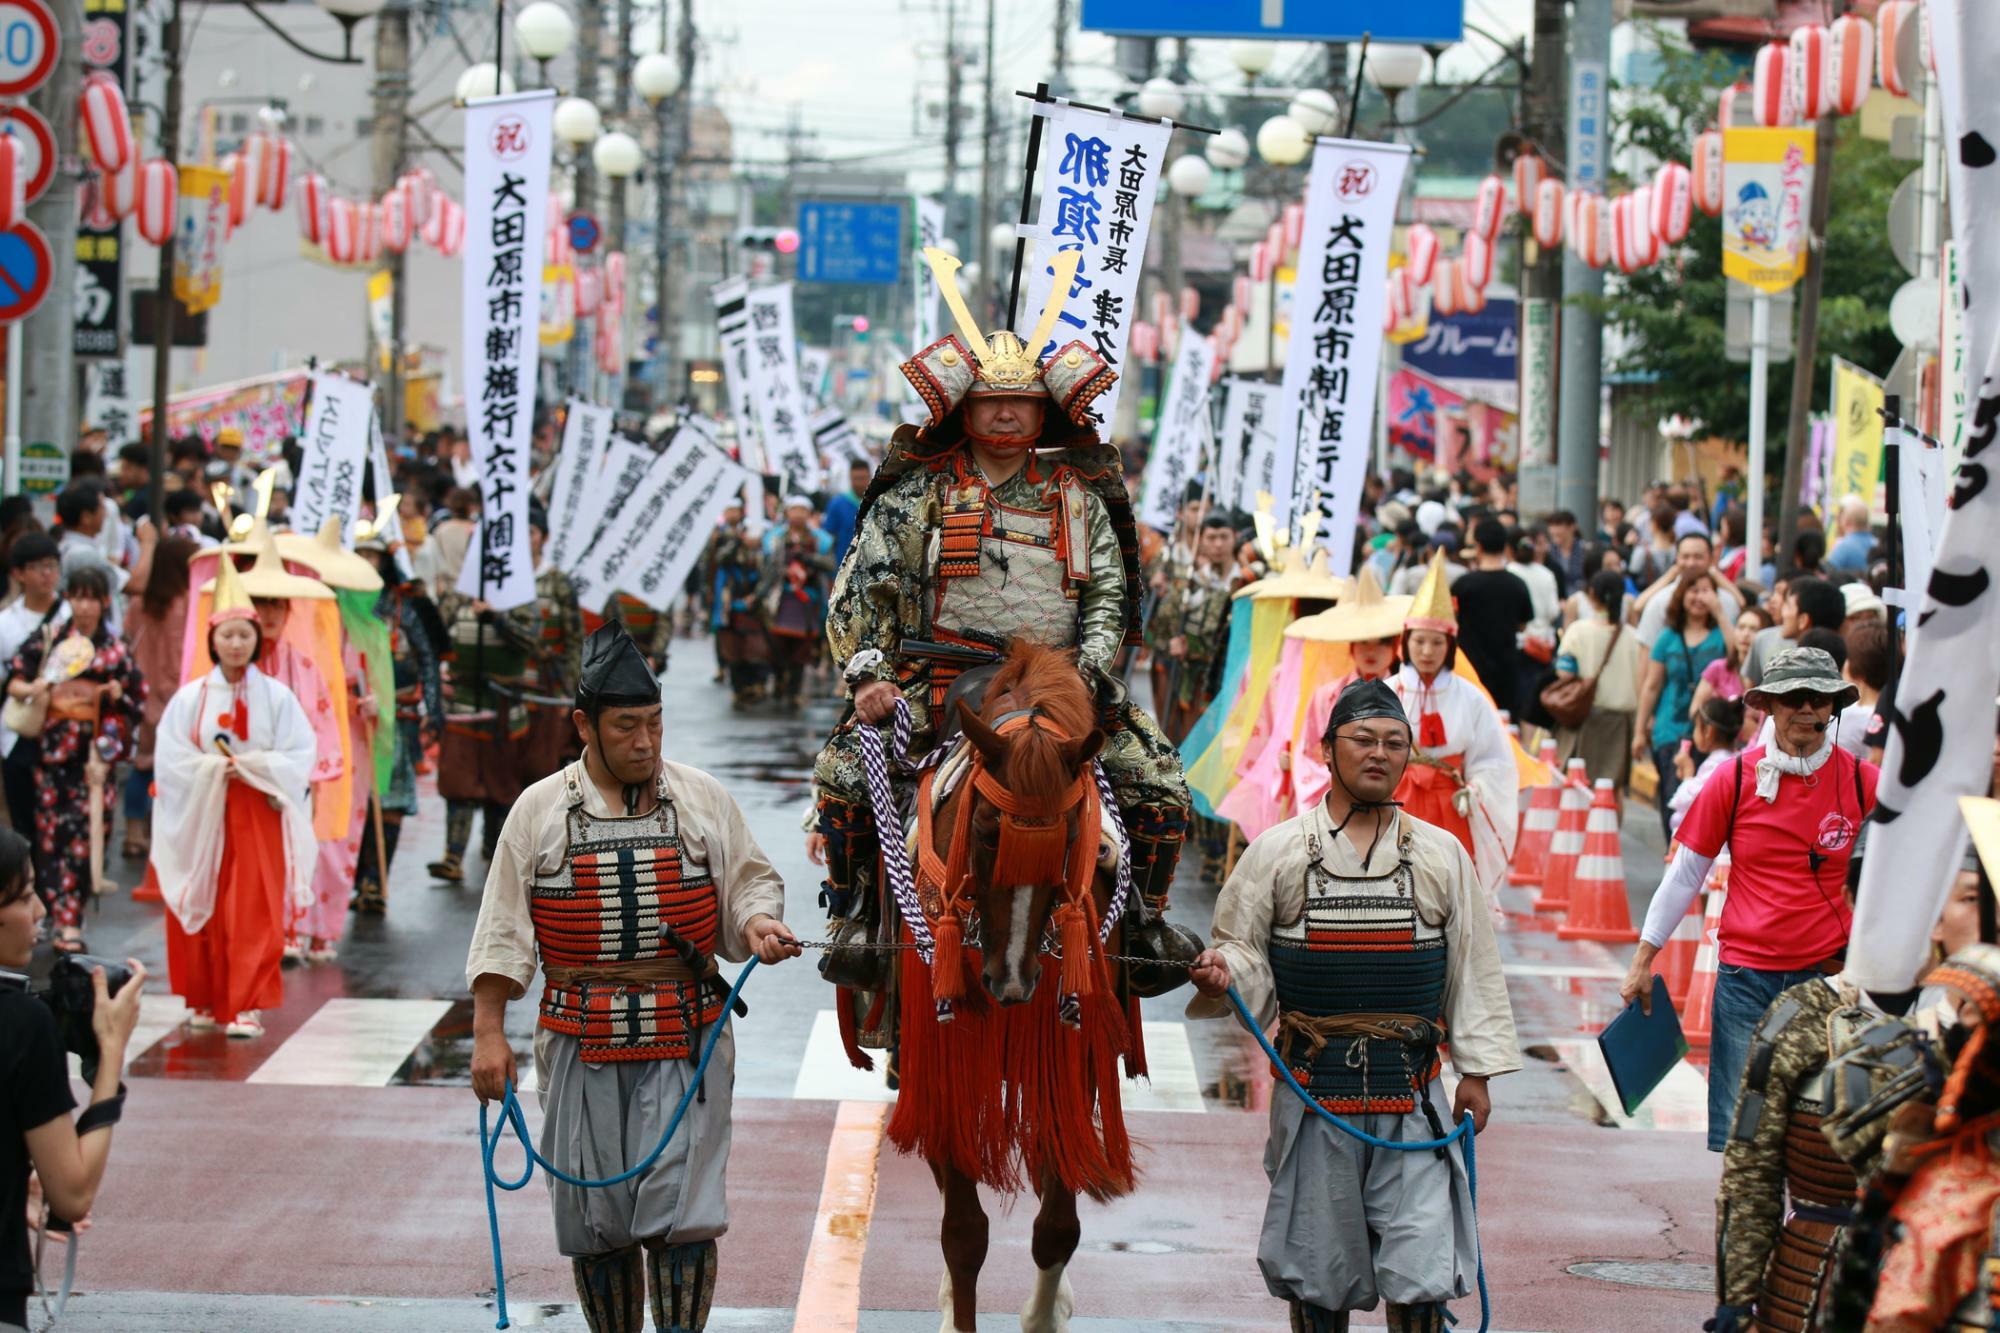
(163, 293)
(1806, 353)
(1541, 275)
(1581, 382)
(953, 78)
(670, 328)
(989, 278)
(392, 99)
(621, 106)
(589, 44)
(48, 359)
(1059, 80)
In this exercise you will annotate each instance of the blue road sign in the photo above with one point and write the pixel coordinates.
(1288, 20)
(583, 233)
(1484, 346)
(25, 266)
(852, 243)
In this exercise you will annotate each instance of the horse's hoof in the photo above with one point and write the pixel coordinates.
(1049, 1309)
(950, 1324)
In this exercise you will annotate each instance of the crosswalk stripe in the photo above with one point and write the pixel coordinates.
(830, 1288)
(352, 1043)
(1679, 1104)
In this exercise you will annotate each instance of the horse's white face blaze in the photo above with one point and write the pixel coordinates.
(1012, 981)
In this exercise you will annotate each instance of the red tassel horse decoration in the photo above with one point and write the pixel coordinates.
(1011, 1080)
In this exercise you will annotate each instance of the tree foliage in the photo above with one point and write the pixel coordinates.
(1672, 315)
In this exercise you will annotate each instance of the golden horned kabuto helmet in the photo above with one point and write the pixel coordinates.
(970, 362)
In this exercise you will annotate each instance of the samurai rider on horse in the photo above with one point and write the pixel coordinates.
(1002, 517)
(992, 584)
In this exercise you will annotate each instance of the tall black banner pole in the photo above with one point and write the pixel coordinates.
(1027, 203)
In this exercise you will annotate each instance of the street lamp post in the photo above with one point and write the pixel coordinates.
(657, 77)
(544, 30)
(617, 157)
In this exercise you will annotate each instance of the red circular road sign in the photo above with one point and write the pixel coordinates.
(28, 45)
(25, 265)
(38, 147)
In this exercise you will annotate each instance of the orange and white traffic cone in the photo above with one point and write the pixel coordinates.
(1598, 909)
(1698, 1014)
(1676, 957)
(1538, 828)
(1566, 847)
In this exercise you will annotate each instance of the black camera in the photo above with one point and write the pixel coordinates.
(63, 983)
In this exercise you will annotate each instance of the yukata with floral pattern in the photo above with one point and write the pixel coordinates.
(62, 801)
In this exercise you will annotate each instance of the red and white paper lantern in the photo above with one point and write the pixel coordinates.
(1851, 63)
(1190, 303)
(433, 228)
(1239, 294)
(421, 188)
(1422, 244)
(1590, 232)
(614, 280)
(1475, 263)
(396, 220)
(121, 188)
(454, 228)
(1146, 341)
(589, 290)
(342, 231)
(1732, 107)
(1705, 177)
(159, 191)
(1771, 96)
(242, 184)
(13, 183)
(1621, 233)
(1673, 202)
(1260, 262)
(367, 233)
(1890, 20)
(1489, 209)
(309, 200)
(1527, 179)
(1549, 210)
(1644, 242)
(1163, 310)
(1274, 239)
(1231, 325)
(1293, 220)
(1471, 300)
(274, 173)
(1809, 64)
(1444, 287)
(107, 125)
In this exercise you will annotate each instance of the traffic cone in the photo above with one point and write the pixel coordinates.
(1676, 959)
(1572, 811)
(1698, 1014)
(1538, 828)
(1597, 906)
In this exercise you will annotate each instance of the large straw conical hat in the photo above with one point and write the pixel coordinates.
(1290, 558)
(232, 599)
(1432, 607)
(1362, 616)
(268, 578)
(1311, 581)
(336, 566)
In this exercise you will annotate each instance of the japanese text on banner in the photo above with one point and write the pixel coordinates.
(1248, 454)
(506, 188)
(334, 451)
(586, 428)
(732, 327)
(930, 232)
(1100, 175)
(1184, 429)
(1326, 414)
(774, 376)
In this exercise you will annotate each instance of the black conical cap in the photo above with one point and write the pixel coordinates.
(615, 673)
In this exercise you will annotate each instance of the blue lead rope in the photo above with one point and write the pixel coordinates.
(1462, 1134)
(511, 1118)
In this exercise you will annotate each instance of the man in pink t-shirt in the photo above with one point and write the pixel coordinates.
(1789, 816)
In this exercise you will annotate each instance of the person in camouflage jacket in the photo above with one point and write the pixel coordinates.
(1191, 625)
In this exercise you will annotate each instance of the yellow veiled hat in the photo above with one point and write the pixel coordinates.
(1432, 608)
(1362, 616)
(268, 578)
(336, 566)
(1300, 580)
(232, 600)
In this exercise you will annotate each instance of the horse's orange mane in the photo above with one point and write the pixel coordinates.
(1047, 680)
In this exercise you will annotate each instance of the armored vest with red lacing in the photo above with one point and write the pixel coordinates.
(1360, 986)
(1001, 572)
(624, 884)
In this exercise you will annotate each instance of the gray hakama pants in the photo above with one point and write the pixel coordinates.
(599, 1120)
(1348, 1224)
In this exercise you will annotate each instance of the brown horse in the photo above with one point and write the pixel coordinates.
(1011, 1080)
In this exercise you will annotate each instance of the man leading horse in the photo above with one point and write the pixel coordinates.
(1002, 516)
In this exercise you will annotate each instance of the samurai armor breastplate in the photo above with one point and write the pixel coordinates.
(624, 882)
(1820, 1188)
(1360, 957)
(1003, 572)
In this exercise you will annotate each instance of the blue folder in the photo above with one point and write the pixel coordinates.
(1641, 1049)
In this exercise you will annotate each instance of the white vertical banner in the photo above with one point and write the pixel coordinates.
(335, 450)
(1539, 373)
(1951, 358)
(1921, 477)
(708, 483)
(388, 519)
(1247, 453)
(1100, 174)
(610, 488)
(1940, 744)
(507, 143)
(836, 439)
(732, 326)
(1326, 409)
(781, 408)
(930, 232)
(813, 364)
(1182, 430)
(586, 430)
(599, 574)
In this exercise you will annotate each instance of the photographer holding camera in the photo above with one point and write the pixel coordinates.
(35, 1100)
